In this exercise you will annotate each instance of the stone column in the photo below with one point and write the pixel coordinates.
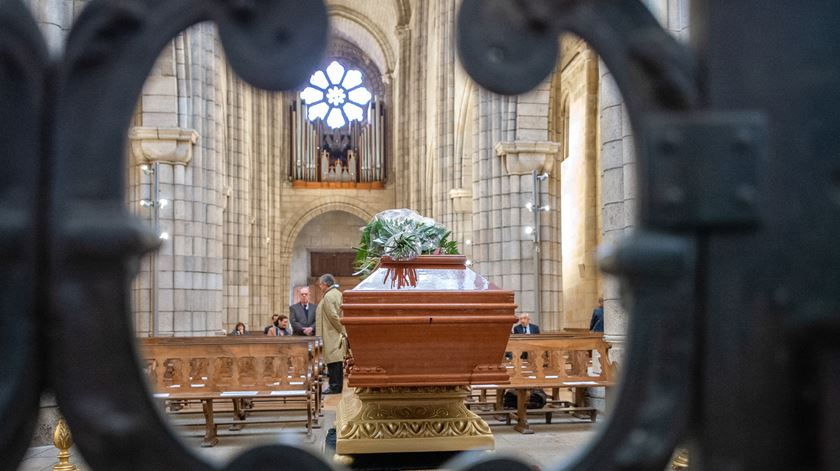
(448, 173)
(520, 158)
(238, 218)
(417, 155)
(177, 105)
(165, 152)
(400, 162)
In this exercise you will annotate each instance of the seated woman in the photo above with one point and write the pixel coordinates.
(281, 327)
(239, 329)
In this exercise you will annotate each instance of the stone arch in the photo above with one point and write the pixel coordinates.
(353, 56)
(309, 212)
(371, 28)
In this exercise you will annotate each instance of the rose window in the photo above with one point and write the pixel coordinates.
(337, 95)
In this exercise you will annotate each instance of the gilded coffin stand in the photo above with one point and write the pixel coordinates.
(409, 419)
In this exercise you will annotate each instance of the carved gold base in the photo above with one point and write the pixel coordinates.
(409, 419)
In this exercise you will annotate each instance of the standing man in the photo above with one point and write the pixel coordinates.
(525, 326)
(328, 326)
(302, 314)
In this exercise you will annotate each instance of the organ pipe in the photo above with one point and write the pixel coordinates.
(380, 147)
(295, 156)
(367, 144)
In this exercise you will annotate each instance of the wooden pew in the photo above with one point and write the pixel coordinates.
(551, 361)
(284, 370)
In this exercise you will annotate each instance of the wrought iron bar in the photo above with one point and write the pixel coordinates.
(24, 113)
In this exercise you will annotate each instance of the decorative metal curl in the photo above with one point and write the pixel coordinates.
(510, 46)
(95, 244)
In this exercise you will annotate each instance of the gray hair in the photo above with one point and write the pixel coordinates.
(327, 279)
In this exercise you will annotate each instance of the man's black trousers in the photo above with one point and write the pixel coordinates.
(336, 372)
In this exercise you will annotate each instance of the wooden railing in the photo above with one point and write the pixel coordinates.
(235, 368)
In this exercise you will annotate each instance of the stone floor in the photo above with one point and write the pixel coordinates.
(550, 443)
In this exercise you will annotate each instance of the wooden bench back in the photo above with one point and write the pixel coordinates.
(558, 357)
(195, 366)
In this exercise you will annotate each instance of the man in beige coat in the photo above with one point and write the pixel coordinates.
(328, 326)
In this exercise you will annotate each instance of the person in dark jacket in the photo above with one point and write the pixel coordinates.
(302, 314)
(281, 328)
(240, 329)
(274, 318)
(597, 322)
(524, 326)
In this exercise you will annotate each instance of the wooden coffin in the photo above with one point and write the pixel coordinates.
(450, 328)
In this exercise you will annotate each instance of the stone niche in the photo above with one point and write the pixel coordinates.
(421, 332)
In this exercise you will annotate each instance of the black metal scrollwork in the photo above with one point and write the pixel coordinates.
(95, 243)
(23, 62)
(69, 248)
(510, 46)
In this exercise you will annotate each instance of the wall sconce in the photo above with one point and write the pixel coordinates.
(530, 207)
(535, 206)
(162, 203)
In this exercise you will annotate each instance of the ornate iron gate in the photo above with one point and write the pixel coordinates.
(733, 277)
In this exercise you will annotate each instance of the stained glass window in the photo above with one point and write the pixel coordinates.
(337, 95)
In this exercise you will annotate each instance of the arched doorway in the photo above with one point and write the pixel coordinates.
(325, 245)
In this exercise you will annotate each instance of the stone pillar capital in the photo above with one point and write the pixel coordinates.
(523, 157)
(166, 145)
(402, 31)
(461, 200)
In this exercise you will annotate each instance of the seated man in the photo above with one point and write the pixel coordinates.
(524, 326)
